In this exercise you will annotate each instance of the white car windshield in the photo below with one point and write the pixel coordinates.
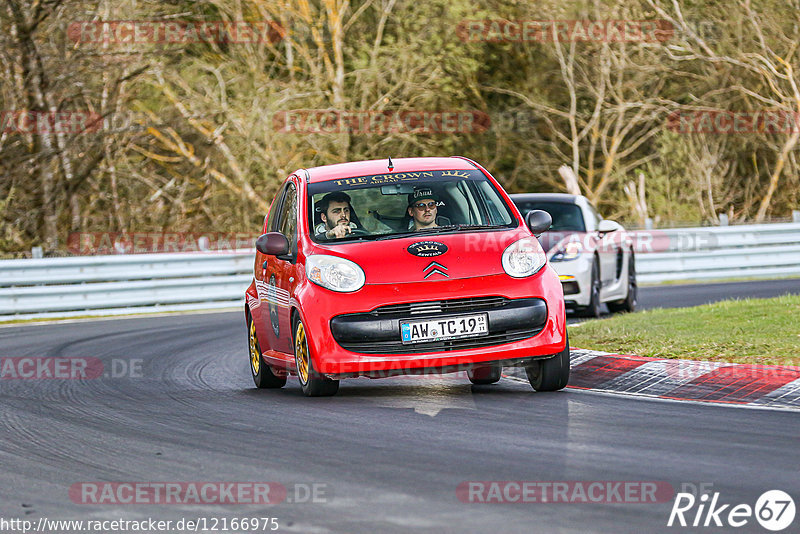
(567, 217)
(399, 204)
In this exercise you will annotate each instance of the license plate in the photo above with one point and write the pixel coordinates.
(446, 328)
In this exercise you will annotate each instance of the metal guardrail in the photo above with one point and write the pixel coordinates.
(717, 253)
(112, 285)
(115, 285)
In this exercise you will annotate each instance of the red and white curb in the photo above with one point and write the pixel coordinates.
(773, 386)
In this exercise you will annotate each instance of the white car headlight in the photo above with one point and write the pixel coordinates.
(570, 251)
(523, 258)
(334, 273)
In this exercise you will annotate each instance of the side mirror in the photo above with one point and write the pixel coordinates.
(538, 221)
(607, 226)
(273, 244)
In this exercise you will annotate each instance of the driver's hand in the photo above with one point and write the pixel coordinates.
(340, 230)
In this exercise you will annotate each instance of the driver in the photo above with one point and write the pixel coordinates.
(422, 207)
(334, 209)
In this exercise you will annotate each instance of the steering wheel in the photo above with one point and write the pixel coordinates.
(358, 231)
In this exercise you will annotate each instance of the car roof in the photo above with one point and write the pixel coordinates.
(381, 166)
(564, 198)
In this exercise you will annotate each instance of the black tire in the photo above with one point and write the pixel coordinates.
(628, 304)
(593, 309)
(483, 376)
(312, 383)
(263, 377)
(550, 374)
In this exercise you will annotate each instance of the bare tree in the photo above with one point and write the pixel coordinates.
(765, 52)
(49, 78)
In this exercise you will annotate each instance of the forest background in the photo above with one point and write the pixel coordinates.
(191, 135)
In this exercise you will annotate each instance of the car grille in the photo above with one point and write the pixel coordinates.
(441, 306)
(378, 331)
(397, 347)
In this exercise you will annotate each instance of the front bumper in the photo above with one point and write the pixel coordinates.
(576, 279)
(359, 334)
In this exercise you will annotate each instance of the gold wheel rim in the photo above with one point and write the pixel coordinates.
(255, 354)
(301, 353)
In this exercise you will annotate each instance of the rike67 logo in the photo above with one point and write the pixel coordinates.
(774, 510)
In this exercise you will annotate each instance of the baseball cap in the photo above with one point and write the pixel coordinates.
(420, 193)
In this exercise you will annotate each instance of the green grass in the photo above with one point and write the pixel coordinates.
(759, 331)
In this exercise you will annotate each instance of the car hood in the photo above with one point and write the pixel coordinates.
(467, 255)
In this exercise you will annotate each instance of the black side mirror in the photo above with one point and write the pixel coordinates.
(538, 221)
(273, 244)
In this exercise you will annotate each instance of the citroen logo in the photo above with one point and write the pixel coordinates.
(435, 268)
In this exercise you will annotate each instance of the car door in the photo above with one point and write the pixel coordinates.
(279, 273)
(608, 250)
(265, 314)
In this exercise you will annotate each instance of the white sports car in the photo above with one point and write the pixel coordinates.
(593, 256)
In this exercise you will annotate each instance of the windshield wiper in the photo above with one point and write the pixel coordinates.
(442, 229)
(437, 229)
(461, 227)
(398, 234)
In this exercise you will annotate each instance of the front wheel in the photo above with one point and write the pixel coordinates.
(263, 377)
(312, 383)
(551, 374)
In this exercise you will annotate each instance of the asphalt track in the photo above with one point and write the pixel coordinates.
(685, 295)
(390, 453)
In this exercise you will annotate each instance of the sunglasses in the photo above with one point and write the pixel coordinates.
(423, 205)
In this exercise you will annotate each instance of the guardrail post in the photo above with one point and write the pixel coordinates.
(796, 215)
(723, 219)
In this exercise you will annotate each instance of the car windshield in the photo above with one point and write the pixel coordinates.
(399, 204)
(566, 217)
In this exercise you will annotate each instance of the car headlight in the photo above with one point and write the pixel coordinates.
(334, 273)
(570, 251)
(523, 258)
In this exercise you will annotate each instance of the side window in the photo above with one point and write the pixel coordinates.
(492, 204)
(275, 209)
(288, 216)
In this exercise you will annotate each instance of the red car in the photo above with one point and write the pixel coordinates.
(411, 266)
